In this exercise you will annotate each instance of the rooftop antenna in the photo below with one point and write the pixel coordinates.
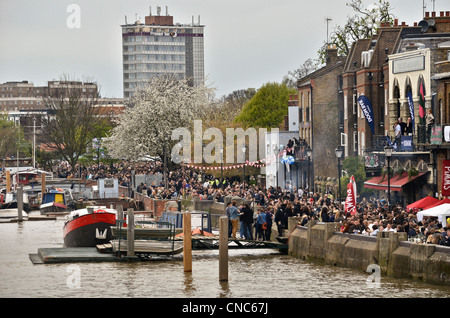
(126, 19)
(327, 19)
(150, 11)
(167, 11)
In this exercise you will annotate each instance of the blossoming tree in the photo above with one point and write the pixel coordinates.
(163, 104)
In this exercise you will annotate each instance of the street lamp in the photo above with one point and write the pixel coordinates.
(339, 151)
(166, 139)
(276, 151)
(309, 154)
(243, 151)
(388, 153)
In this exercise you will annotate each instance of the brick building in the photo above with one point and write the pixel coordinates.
(321, 114)
(24, 96)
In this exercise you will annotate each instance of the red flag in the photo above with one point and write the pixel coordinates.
(421, 103)
(350, 201)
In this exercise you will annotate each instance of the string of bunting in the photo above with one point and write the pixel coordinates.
(258, 164)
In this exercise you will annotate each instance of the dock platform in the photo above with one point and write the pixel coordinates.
(71, 255)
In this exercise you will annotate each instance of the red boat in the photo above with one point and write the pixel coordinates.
(89, 227)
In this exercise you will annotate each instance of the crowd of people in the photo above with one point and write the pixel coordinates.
(271, 205)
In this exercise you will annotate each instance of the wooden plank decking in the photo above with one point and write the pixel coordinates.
(150, 247)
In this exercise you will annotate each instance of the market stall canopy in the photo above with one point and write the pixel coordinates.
(442, 212)
(423, 203)
(445, 200)
(396, 182)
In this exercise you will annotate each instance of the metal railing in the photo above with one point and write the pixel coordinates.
(423, 137)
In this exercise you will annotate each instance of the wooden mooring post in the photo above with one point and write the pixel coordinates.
(19, 203)
(223, 248)
(130, 232)
(42, 183)
(187, 242)
(8, 181)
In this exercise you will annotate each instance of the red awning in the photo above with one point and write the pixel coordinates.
(423, 203)
(396, 182)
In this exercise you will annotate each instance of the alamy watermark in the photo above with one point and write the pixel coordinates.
(74, 279)
(73, 21)
(231, 148)
(374, 279)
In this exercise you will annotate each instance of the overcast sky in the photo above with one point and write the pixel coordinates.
(247, 42)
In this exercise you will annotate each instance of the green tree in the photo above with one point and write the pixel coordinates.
(354, 166)
(11, 139)
(362, 25)
(267, 107)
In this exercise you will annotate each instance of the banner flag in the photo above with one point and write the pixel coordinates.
(366, 108)
(445, 178)
(411, 108)
(421, 103)
(350, 201)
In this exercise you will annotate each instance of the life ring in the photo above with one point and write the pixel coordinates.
(100, 211)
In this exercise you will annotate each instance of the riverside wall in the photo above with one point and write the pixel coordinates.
(394, 255)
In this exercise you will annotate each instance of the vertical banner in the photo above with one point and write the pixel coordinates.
(445, 178)
(350, 201)
(421, 103)
(411, 108)
(366, 108)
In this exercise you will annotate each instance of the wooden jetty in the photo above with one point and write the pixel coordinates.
(155, 239)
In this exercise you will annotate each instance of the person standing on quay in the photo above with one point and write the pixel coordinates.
(268, 231)
(260, 220)
(234, 213)
(247, 218)
(279, 218)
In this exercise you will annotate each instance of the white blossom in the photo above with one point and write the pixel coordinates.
(162, 105)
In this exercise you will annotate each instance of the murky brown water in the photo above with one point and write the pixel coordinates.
(255, 273)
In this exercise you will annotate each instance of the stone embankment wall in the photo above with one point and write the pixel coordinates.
(395, 256)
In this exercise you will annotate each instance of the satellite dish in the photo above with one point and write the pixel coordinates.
(432, 24)
(424, 26)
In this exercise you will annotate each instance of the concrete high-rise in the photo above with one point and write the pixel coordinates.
(159, 47)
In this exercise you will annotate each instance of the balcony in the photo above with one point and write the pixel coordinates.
(434, 136)
(423, 139)
(298, 152)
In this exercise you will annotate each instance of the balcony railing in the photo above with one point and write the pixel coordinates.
(432, 134)
(298, 152)
(420, 140)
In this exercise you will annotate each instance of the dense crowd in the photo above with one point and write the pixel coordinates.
(271, 205)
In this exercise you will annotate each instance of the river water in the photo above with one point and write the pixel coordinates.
(259, 273)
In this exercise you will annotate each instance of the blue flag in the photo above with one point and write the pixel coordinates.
(366, 108)
(411, 108)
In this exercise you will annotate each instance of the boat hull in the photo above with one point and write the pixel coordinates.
(53, 207)
(89, 230)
